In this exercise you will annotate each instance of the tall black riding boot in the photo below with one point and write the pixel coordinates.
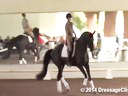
(69, 59)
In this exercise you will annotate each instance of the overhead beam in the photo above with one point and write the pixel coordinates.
(40, 6)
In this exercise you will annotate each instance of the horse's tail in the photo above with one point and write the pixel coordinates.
(46, 61)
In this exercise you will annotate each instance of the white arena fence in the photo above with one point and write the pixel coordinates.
(5, 49)
(2, 50)
(107, 73)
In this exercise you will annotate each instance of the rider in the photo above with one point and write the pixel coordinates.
(69, 37)
(26, 26)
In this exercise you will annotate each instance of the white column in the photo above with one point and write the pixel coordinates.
(109, 40)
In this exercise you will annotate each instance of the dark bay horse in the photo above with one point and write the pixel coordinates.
(21, 42)
(80, 59)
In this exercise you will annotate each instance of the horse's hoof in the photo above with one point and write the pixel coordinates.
(64, 92)
(96, 93)
(60, 92)
(67, 90)
(39, 77)
(84, 86)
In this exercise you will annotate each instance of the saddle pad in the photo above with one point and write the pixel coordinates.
(64, 52)
(30, 39)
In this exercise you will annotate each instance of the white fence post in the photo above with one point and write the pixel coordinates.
(109, 74)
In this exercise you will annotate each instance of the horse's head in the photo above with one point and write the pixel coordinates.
(89, 39)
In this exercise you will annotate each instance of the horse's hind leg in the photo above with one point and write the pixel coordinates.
(85, 75)
(60, 78)
(21, 59)
(89, 76)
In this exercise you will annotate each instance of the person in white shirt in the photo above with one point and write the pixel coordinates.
(26, 26)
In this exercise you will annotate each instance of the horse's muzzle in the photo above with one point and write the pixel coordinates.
(94, 55)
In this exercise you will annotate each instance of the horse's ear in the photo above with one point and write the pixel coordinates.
(93, 32)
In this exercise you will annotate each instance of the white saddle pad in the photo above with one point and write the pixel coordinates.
(64, 51)
(30, 39)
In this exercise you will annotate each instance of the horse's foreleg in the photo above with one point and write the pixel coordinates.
(85, 75)
(91, 84)
(89, 76)
(85, 82)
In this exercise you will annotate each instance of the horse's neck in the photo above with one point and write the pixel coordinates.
(82, 44)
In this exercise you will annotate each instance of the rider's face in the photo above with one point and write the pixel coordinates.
(70, 19)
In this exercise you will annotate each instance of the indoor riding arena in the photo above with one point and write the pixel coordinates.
(27, 73)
